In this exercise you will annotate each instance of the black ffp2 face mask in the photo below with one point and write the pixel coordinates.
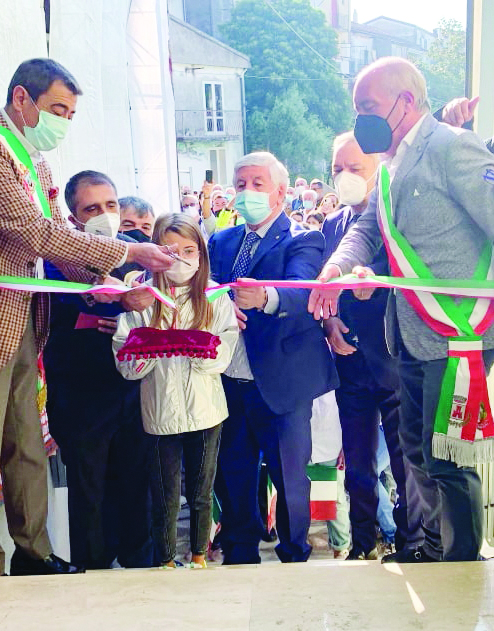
(373, 133)
(138, 235)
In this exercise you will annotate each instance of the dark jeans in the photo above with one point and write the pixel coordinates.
(200, 453)
(285, 442)
(451, 496)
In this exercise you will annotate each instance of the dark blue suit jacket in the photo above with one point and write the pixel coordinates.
(287, 352)
(84, 386)
(365, 318)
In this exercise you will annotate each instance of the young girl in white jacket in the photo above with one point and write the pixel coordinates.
(182, 398)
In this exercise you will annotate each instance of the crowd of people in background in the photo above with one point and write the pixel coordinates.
(283, 388)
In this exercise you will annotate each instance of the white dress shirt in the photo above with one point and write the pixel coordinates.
(239, 367)
(394, 162)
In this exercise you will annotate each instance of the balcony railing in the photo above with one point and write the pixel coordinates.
(208, 124)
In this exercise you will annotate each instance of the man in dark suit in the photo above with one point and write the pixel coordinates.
(94, 413)
(281, 364)
(369, 386)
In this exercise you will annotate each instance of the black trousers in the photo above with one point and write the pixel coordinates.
(199, 451)
(362, 403)
(253, 428)
(451, 496)
(107, 457)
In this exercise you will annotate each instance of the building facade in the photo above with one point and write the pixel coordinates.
(208, 84)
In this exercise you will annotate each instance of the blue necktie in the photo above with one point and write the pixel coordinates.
(352, 221)
(244, 256)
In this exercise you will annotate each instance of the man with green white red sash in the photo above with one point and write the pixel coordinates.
(41, 102)
(433, 207)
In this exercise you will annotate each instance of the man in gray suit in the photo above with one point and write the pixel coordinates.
(443, 198)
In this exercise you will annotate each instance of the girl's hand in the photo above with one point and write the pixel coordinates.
(138, 299)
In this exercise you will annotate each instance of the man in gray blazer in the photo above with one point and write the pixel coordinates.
(443, 199)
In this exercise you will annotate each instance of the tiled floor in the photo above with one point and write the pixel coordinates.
(318, 595)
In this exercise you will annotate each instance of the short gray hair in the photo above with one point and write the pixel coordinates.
(401, 76)
(277, 171)
(139, 205)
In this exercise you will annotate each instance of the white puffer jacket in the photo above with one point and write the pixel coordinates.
(181, 394)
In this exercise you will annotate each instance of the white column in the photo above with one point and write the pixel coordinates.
(152, 105)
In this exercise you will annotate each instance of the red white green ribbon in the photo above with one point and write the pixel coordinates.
(464, 426)
(456, 287)
(43, 285)
(23, 161)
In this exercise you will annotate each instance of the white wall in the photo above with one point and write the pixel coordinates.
(89, 37)
(152, 105)
(20, 38)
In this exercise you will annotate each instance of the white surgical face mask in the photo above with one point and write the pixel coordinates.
(191, 211)
(106, 224)
(49, 131)
(308, 204)
(299, 190)
(180, 273)
(351, 188)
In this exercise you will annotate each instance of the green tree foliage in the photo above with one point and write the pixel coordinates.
(444, 66)
(280, 61)
(292, 134)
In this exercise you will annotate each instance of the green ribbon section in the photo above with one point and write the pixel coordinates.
(44, 282)
(446, 396)
(23, 156)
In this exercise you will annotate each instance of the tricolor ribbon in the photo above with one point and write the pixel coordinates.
(464, 426)
(43, 285)
(456, 287)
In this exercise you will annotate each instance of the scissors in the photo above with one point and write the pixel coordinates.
(174, 256)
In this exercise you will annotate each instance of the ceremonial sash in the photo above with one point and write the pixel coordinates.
(463, 425)
(23, 162)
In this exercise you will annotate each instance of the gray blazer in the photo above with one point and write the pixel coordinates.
(443, 201)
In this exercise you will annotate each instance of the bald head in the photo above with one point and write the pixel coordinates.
(395, 90)
(395, 76)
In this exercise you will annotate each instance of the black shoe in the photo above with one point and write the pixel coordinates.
(270, 536)
(356, 554)
(407, 555)
(23, 565)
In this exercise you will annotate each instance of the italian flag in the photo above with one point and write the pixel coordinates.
(323, 492)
